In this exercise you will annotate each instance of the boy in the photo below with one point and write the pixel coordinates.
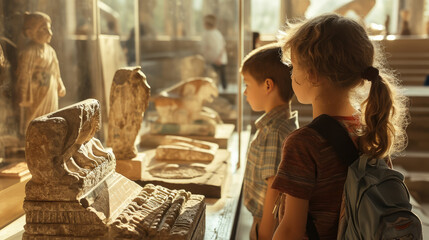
(268, 89)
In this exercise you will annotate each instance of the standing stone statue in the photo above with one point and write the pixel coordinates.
(129, 97)
(38, 74)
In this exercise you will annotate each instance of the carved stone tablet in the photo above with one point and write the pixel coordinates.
(200, 177)
(187, 149)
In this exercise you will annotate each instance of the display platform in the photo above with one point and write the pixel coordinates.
(133, 168)
(12, 191)
(198, 177)
(221, 137)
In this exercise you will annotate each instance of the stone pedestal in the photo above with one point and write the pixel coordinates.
(133, 168)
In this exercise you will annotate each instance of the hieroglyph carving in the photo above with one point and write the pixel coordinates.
(129, 97)
(185, 149)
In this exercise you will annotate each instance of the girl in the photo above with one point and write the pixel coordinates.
(332, 58)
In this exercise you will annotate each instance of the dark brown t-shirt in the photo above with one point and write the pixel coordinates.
(311, 170)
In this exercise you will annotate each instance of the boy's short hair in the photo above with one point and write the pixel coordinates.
(266, 62)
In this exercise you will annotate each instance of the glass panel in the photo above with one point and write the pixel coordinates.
(265, 19)
(72, 46)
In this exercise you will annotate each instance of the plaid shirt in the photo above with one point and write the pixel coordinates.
(264, 155)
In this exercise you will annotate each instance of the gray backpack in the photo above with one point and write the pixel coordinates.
(377, 202)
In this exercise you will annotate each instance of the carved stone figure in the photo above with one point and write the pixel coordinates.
(129, 97)
(39, 81)
(185, 149)
(75, 192)
(182, 104)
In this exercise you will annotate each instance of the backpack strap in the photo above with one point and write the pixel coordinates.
(337, 136)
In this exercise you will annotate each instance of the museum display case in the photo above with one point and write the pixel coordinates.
(84, 45)
(115, 50)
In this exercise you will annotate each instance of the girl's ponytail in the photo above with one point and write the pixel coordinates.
(381, 112)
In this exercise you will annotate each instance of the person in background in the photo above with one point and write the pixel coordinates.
(213, 48)
(333, 61)
(268, 89)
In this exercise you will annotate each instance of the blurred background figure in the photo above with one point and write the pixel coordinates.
(213, 48)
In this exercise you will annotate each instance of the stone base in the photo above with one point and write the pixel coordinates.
(205, 178)
(118, 208)
(221, 137)
(132, 169)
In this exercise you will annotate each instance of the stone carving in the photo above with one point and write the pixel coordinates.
(61, 151)
(180, 108)
(163, 214)
(39, 82)
(76, 193)
(129, 97)
(185, 149)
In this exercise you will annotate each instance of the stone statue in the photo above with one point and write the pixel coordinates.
(182, 104)
(39, 82)
(129, 97)
(185, 149)
(75, 192)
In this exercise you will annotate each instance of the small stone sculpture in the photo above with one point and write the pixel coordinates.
(75, 192)
(182, 104)
(129, 97)
(39, 82)
(185, 149)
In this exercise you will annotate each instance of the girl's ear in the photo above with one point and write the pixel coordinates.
(313, 78)
(269, 84)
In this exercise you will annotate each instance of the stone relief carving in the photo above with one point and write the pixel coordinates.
(61, 150)
(129, 97)
(76, 193)
(39, 81)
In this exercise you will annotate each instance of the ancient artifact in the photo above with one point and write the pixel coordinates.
(129, 97)
(185, 149)
(180, 108)
(76, 193)
(197, 176)
(39, 81)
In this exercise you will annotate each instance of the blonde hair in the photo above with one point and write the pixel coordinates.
(340, 50)
(33, 20)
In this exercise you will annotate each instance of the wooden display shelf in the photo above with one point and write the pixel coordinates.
(221, 137)
(209, 182)
(12, 193)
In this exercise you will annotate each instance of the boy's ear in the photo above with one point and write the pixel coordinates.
(269, 84)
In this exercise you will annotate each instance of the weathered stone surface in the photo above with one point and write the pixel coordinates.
(63, 157)
(76, 194)
(129, 97)
(182, 105)
(160, 213)
(185, 149)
